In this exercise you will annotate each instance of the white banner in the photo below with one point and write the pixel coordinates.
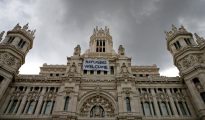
(96, 64)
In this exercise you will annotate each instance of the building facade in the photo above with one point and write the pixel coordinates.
(102, 84)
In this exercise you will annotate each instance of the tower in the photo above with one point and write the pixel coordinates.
(13, 49)
(101, 41)
(189, 57)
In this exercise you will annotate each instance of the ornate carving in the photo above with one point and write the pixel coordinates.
(34, 95)
(97, 101)
(162, 96)
(189, 61)
(72, 68)
(121, 50)
(124, 69)
(178, 96)
(77, 50)
(8, 59)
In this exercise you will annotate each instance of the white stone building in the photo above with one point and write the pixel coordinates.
(102, 84)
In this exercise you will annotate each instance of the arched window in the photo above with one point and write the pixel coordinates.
(97, 111)
(66, 103)
(48, 107)
(163, 108)
(128, 104)
(197, 83)
(182, 108)
(13, 106)
(11, 39)
(147, 109)
(31, 107)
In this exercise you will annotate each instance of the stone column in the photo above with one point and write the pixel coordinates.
(17, 105)
(23, 102)
(60, 100)
(9, 107)
(135, 104)
(4, 85)
(120, 103)
(198, 103)
(168, 108)
(189, 104)
(74, 102)
(27, 105)
(40, 102)
(43, 109)
(172, 103)
(6, 102)
(156, 107)
(151, 108)
(52, 103)
(177, 104)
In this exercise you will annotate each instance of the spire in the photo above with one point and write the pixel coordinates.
(1, 35)
(199, 40)
(174, 29)
(25, 30)
(171, 34)
(25, 27)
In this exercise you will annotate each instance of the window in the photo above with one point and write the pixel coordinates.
(105, 72)
(98, 72)
(31, 107)
(21, 43)
(163, 109)
(66, 103)
(85, 71)
(103, 42)
(147, 110)
(13, 106)
(36, 88)
(57, 74)
(128, 104)
(203, 96)
(100, 46)
(111, 70)
(103, 49)
(51, 74)
(169, 105)
(91, 72)
(141, 75)
(11, 39)
(52, 89)
(177, 45)
(182, 108)
(97, 111)
(187, 40)
(48, 107)
(197, 83)
(21, 88)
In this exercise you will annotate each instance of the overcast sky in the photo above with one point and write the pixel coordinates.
(136, 24)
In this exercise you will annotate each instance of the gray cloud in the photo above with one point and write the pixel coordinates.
(137, 24)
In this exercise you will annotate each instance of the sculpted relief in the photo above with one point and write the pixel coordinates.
(189, 61)
(9, 60)
(97, 106)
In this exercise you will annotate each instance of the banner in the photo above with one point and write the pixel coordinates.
(96, 64)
